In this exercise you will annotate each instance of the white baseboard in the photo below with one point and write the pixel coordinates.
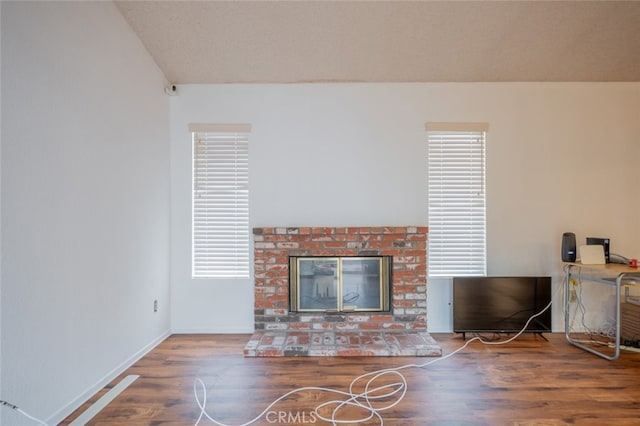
(64, 412)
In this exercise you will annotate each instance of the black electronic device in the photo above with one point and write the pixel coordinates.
(568, 247)
(605, 242)
(501, 304)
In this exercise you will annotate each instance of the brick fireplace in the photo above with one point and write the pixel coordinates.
(407, 245)
(400, 331)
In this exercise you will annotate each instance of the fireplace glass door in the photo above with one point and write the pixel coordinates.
(339, 284)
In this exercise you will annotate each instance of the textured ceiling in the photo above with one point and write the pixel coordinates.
(389, 41)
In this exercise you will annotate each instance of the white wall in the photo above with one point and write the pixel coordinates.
(0, 209)
(561, 157)
(85, 203)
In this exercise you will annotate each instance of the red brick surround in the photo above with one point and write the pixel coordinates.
(406, 244)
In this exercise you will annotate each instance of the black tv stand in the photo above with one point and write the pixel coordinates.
(538, 333)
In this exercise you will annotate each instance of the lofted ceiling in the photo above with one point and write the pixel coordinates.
(389, 41)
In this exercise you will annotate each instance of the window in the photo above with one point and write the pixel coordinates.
(457, 220)
(220, 209)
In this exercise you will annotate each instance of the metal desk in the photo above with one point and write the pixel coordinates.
(611, 274)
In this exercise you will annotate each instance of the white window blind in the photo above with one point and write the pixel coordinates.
(220, 201)
(457, 219)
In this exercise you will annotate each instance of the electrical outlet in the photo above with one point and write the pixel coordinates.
(155, 306)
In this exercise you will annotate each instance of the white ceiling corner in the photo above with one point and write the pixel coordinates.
(389, 41)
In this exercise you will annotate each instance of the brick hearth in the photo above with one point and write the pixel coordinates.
(341, 343)
(407, 318)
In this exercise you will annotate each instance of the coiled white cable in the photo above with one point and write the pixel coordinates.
(363, 400)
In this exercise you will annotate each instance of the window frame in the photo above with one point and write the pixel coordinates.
(220, 234)
(456, 168)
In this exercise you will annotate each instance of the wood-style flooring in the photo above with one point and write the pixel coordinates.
(530, 381)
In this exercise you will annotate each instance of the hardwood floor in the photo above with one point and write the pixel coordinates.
(527, 382)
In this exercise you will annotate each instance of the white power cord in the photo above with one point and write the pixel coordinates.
(363, 400)
(624, 348)
(19, 410)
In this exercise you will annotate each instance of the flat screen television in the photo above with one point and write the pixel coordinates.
(500, 304)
